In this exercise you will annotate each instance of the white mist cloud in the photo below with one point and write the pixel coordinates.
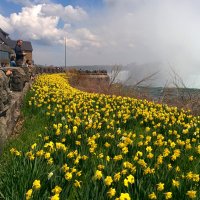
(166, 32)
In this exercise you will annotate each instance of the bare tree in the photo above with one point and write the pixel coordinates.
(182, 90)
(146, 79)
(185, 97)
(116, 69)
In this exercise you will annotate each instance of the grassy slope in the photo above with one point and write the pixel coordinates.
(33, 125)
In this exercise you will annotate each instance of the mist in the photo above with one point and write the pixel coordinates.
(148, 32)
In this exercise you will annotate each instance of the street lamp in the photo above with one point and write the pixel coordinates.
(65, 53)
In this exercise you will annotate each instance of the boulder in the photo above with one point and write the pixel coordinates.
(4, 92)
(20, 75)
(5, 98)
(11, 115)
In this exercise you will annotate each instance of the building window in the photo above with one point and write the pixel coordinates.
(4, 57)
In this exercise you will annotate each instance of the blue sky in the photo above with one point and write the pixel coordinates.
(83, 3)
(142, 32)
(9, 6)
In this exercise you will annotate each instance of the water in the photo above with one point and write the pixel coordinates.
(157, 93)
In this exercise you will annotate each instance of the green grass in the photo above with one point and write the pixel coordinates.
(34, 124)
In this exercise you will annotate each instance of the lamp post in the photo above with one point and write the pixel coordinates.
(65, 53)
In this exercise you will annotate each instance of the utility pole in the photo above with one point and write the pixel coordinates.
(65, 53)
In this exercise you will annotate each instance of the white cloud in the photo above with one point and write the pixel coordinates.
(74, 13)
(5, 24)
(115, 2)
(66, 13)
(32, 24)
(123, 3)
(52, 9)
(88, 38)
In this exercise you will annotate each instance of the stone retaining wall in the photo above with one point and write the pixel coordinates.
(4, 92)
(9, 118)
(12, 90)
(49, 70)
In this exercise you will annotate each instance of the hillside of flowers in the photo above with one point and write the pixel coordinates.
(98, 147)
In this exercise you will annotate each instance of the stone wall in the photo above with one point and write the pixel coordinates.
(49, 70)
(12, 90)
(4, 92)
(28, 56)
(10, 116)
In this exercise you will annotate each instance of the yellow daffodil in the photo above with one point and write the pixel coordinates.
(36, 185)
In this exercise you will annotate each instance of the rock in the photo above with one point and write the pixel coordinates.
(3, 133)
(12, 114)
(19, 63)
(4, 91)
(19, 77)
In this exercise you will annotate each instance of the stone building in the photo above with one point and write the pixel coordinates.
(5, 50)
(10, 44)
(26, 47)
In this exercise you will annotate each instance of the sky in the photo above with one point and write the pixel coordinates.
(154, 35)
